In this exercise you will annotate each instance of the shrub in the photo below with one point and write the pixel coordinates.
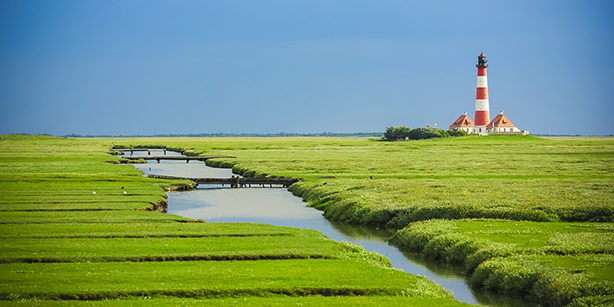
(598, 300)
(402, 132)
(397, 133)
(427, 133)
(457, 133)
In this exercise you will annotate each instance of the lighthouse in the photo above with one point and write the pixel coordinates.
(482, 109)
(482, 124)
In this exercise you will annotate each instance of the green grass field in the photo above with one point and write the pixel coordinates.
(550, 262)
(60, 241)
(273, 300)
(535, 187)
(553, 198)
(511, 177)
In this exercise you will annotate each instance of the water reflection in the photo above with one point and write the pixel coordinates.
(194, 169)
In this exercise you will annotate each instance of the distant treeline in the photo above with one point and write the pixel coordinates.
(221, 134)
(280, 134)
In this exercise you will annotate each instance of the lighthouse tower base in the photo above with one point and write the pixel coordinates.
(481, 130)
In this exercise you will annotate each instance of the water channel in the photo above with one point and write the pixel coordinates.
(277, 206)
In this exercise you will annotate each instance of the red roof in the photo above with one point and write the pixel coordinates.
(482, 55)
(500, 121)
(462, 121)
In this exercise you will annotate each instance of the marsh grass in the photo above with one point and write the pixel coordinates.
(396, 184)
(511, 177)
(141, 230)
(550, 262)
(223, 278)
(395, 203)
(297, 245)
(269, 300)
(61, 241)
(553, 280)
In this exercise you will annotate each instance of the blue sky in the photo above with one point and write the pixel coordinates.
(150, 67)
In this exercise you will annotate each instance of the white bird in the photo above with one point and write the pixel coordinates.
(94, 192)
(125, 192)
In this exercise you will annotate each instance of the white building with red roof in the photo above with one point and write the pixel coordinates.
(499, 125)
(464, 122)
(502, 125)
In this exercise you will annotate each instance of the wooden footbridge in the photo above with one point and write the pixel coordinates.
(237, 182)
(181, 158)
(148, 150)
(137, 149)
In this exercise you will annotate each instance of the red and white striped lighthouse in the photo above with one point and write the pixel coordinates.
(482, 109)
